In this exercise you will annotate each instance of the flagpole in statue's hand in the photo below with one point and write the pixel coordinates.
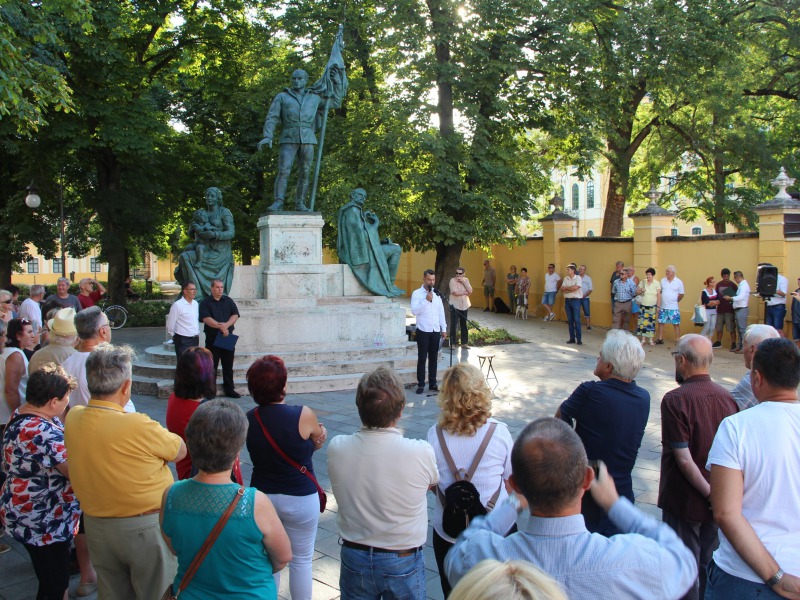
(336, 80)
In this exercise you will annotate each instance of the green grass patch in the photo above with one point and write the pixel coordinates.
(483, 336)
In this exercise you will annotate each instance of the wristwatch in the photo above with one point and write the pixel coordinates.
(775, 579)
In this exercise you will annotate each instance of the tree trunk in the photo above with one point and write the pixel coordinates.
(246, 250)
(448, 257)
(5, 272)
(115, 238)
(719, 195)
(615, 199)
(117, 265)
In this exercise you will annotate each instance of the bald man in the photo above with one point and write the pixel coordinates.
(690, 416)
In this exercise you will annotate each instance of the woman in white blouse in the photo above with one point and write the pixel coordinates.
(466, 418)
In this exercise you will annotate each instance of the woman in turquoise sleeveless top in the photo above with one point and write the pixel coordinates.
(253, 544)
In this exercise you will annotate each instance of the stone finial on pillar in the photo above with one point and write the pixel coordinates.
(782, 199)
(555, 226)
(649, 224)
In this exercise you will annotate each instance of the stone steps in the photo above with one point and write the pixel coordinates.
(309, 371)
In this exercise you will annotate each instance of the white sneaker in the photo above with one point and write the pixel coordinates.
(551, 316)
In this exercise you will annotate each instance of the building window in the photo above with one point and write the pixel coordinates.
(33, 265)
(56, 265)
(576, 196)
(697, 231)
(674, 231)
(590, 194)
(590, 233)
(94, 265)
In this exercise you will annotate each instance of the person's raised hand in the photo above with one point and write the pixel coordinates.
(603, 489)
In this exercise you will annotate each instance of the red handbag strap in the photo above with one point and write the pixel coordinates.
(283, 455)
(206, 547)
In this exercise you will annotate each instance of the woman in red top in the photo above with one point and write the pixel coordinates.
(194, 380)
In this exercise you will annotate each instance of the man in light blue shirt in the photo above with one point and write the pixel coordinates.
(550, 476)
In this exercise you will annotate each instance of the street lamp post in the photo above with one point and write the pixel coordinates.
(32, 200)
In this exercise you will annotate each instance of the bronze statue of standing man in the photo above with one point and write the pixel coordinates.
(302, 112)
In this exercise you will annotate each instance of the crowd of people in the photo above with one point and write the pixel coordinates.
(642, 306)
(82, 468)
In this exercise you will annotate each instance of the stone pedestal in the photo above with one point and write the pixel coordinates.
(327, 327)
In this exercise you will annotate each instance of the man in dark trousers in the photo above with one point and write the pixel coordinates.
(218, 314)
(690, 416)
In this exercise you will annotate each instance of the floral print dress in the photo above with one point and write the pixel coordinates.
(37, 503)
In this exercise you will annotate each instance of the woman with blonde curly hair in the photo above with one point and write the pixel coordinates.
(464, 423)
(511, 580)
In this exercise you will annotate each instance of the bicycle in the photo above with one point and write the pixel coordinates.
(117, 315)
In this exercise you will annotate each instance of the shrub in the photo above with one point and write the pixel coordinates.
(147, 313)
(139, 286)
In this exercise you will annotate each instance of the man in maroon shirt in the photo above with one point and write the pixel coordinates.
(725, 314)
(690, 416)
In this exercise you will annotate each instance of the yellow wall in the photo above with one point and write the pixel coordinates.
(46, 276)
(694, 260)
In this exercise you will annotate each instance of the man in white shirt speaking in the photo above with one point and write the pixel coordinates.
(426, 304)
(183, 321)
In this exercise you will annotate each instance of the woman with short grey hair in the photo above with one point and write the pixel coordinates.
(236, 567)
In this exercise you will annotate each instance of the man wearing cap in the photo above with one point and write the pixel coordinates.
(63, 337)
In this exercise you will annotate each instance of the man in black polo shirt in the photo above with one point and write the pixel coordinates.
(218, 314)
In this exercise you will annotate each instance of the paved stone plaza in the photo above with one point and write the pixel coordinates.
(533, 379)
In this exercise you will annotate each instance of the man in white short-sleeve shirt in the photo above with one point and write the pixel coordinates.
(381, 480)
(755, 483)
(93, 329)
(551, 281)
(672, 292)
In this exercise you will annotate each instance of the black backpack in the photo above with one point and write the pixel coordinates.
(461, 500)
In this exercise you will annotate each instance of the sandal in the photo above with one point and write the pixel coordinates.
(651, 343)
(659, 341)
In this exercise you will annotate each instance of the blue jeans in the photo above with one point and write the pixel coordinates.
(776, 315)
(724, 586)
(573, 308)
(370, 575)
(585, 305)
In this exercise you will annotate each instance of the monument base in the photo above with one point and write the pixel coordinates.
(325, 325)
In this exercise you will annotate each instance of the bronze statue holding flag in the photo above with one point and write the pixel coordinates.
(302, 112)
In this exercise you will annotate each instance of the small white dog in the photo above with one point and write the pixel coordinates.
(522, 311)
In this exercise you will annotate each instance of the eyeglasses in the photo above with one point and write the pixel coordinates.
(459, 272)
(676, 353)
(9, 300)
(24, 322)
